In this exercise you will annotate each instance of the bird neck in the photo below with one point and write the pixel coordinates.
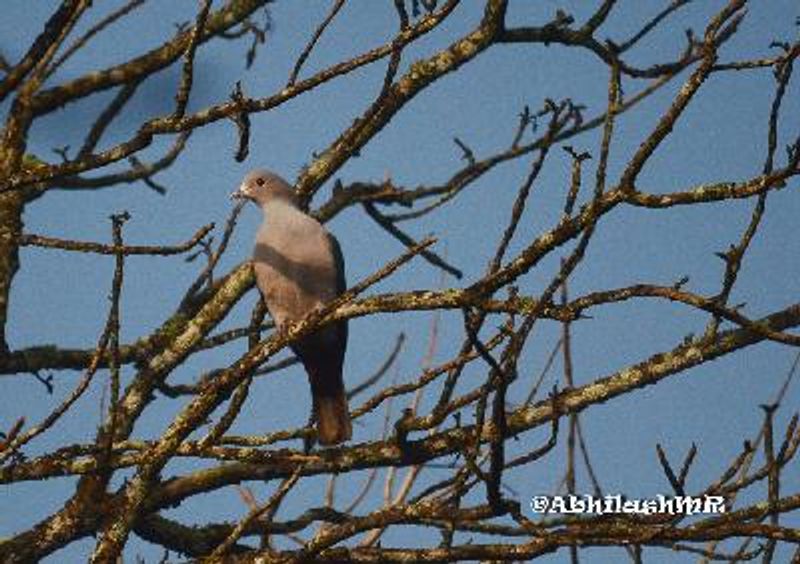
(280, 205)
(283, 215)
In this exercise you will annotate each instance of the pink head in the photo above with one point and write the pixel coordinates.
(263, 187)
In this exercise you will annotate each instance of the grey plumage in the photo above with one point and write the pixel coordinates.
(299, 267)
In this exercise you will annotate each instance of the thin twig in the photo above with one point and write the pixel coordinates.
(187, 73)
(337, 5)
(99, 248)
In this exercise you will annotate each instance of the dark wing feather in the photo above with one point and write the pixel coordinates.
(338, 257)
(341, 286)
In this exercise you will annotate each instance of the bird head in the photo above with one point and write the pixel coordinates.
(263, 187)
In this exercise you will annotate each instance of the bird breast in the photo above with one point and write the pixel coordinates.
(294, 264)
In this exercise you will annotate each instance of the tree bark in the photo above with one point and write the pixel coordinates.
(12, 204)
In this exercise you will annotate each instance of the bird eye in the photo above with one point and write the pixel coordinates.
(260, 181)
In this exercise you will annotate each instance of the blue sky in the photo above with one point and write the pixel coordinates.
(720, 137)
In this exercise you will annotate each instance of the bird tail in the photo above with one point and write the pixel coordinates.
(333, 418)
(330, 404)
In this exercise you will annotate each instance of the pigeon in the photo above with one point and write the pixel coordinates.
(299, 267)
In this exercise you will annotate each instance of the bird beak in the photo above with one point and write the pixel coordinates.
(239, 194)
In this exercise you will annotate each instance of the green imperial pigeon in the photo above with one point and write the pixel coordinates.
(299, 267)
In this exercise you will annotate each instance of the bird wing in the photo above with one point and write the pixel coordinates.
(338, 261)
